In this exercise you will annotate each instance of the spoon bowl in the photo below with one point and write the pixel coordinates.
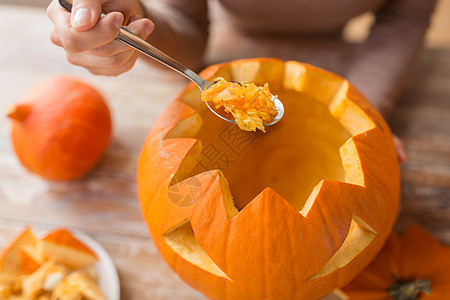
(142, 46)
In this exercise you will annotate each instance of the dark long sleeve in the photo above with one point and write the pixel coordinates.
(381, 67)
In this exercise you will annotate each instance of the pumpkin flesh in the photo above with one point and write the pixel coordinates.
(249, 104)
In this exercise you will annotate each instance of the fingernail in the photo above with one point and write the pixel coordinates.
(149, 27)
(401, 155)
(81, 17)
(117, 20)
(404, 157)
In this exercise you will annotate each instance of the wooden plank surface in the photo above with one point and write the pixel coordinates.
(104, 204)
(422, 120)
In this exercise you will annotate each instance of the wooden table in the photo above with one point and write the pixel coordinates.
(104, 205)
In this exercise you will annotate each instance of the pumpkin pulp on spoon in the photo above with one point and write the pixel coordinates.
(250, 105)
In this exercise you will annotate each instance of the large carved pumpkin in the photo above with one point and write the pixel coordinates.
(289, 214)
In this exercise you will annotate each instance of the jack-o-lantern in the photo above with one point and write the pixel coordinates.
(288, 214)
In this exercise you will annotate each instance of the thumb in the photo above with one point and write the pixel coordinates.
(85, 14)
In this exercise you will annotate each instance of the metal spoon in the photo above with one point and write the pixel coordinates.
(142, 46)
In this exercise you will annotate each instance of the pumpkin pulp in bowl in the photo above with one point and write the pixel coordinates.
(292, 213)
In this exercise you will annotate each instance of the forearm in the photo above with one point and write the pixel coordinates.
(381, 67)
(181, 29)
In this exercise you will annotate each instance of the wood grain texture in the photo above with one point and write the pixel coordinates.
(422, 121)
(104, 204)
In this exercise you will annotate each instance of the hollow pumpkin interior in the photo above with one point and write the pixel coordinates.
(293, 155)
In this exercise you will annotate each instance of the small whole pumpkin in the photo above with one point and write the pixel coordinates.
(292, 213)
(60, 128)
(409, 267)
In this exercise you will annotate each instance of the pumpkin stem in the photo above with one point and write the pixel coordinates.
(18, 112)
(409, 290)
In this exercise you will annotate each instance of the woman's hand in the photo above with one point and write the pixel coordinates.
(89, 40)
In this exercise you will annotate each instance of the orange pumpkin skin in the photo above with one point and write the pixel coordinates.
(229, 244)
(413, 256)
(60, 128)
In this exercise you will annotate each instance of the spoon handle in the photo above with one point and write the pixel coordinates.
(142, 46)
